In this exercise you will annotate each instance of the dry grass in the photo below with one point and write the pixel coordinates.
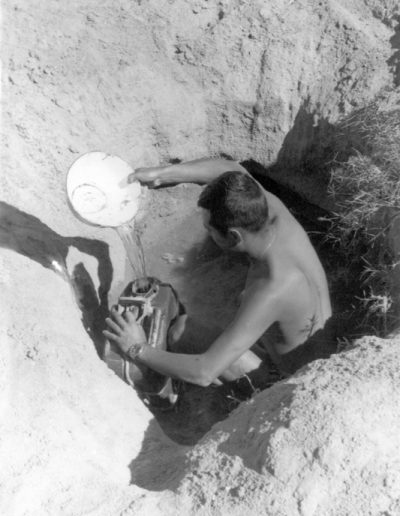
(362, 186)
(385, 10)
(361, 189)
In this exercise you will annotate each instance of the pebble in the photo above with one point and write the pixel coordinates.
(170, 258)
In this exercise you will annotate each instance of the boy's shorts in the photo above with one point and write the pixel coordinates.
(320, 345)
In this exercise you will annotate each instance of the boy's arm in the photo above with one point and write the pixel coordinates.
(197, 171)
(256, 313)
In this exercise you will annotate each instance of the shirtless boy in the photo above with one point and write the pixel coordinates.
(285, 304)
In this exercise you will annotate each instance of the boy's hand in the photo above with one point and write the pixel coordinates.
(151, 176)
(124, 330)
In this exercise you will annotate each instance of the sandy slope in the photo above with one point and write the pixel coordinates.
(150, 81)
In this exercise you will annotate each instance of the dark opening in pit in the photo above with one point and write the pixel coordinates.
(142, 286)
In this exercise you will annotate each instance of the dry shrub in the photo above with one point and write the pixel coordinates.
(370, 178)
(362, 186)
(385, 10)
(360, 189)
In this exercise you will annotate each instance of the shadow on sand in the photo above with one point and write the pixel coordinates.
(29, 236)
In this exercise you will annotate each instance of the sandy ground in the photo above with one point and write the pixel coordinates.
(154, 81)
(76, 440)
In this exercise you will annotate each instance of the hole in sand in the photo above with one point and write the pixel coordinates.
(209, 282)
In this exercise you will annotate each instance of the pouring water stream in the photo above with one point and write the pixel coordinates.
(134, 248)
(100, 194)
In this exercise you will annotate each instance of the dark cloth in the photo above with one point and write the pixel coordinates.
(321, 344)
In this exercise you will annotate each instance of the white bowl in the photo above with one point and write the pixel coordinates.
(98, 190)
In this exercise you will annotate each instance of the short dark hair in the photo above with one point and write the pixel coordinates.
(235, 199)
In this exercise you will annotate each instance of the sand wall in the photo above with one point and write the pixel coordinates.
(152, 81)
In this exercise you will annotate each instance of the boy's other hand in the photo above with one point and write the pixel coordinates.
(124, 330)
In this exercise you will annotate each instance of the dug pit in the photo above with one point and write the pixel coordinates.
(151, 82)
(177, 250)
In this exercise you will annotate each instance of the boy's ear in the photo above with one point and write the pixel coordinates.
(234, 237)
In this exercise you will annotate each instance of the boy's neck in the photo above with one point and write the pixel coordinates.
(260, 245)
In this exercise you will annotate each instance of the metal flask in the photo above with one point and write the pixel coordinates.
(158, 307)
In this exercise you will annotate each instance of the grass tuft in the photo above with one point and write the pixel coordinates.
(363, 186)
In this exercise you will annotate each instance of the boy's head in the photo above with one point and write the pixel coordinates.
(234, 201)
